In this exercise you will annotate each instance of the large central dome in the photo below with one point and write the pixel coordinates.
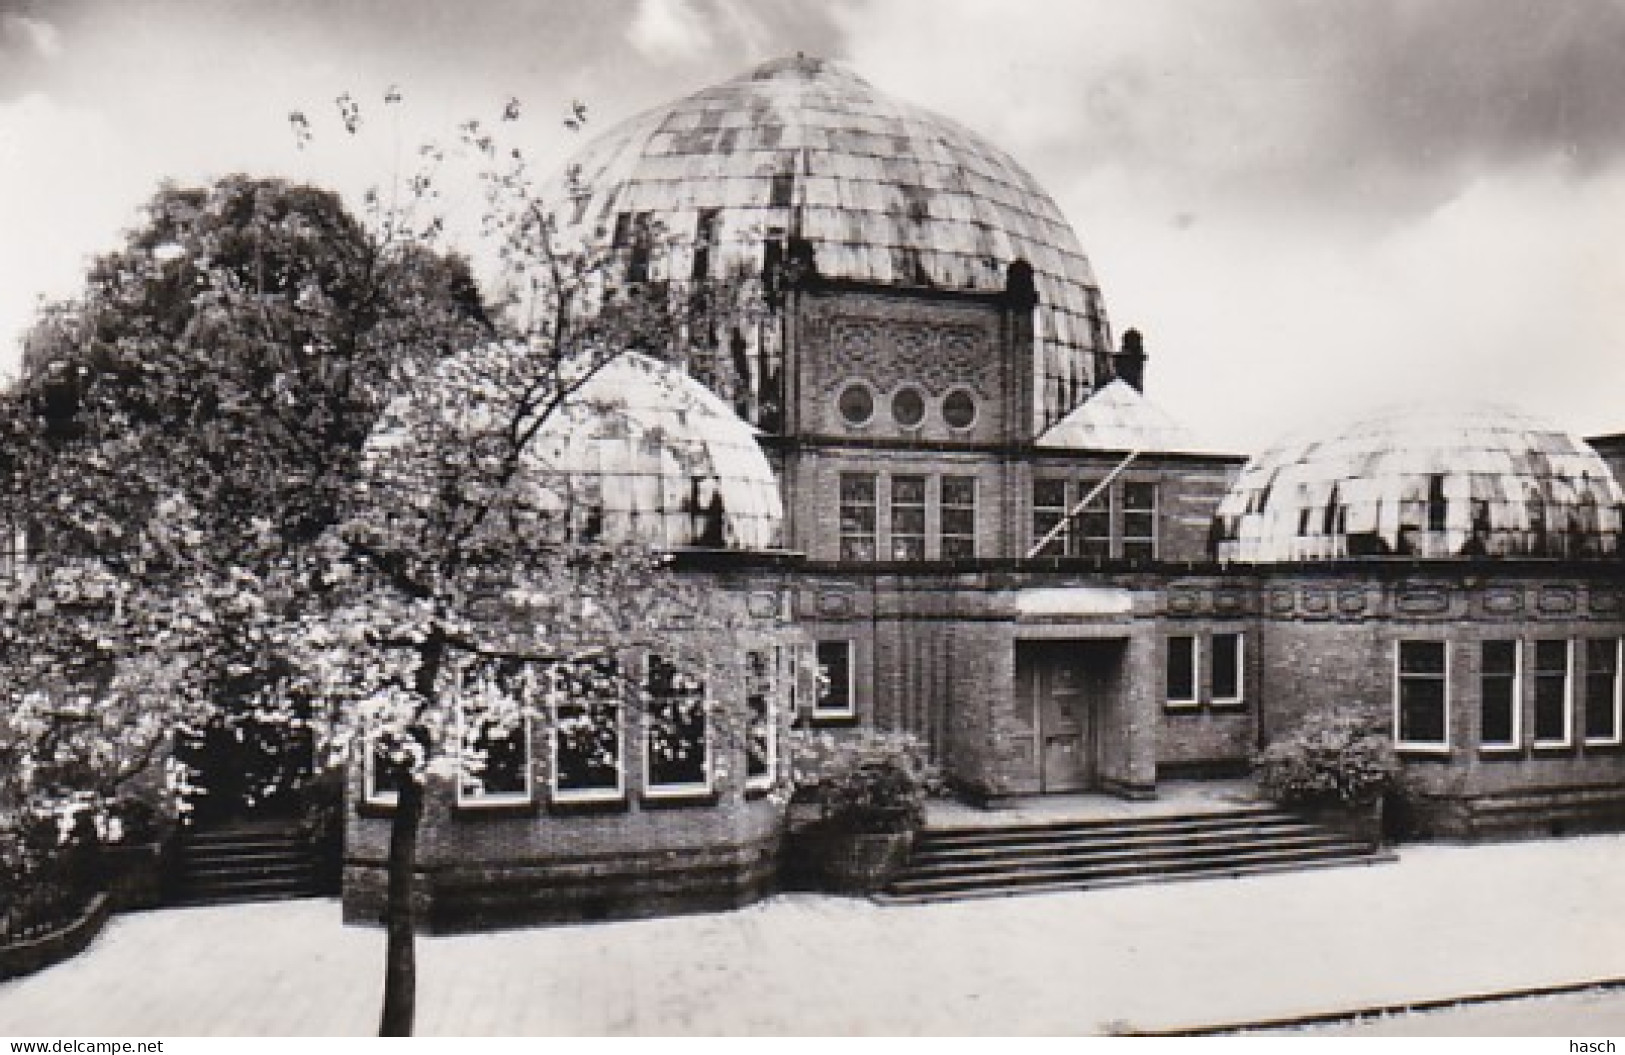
(879, 190)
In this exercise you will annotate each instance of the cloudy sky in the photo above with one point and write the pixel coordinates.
(1305, 205)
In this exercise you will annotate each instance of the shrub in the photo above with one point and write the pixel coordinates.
(867, 783)
(1334, 756)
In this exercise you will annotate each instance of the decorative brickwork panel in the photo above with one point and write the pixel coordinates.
(910, 355)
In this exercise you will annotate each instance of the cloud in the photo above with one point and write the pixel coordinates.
(35, 34)
(1382, 102)
(57, 205)
(669, 29)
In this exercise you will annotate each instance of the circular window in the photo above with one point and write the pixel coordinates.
(959, 409)
(908, 407)
(856, 403)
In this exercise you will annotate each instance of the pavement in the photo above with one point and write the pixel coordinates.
(1443, 922)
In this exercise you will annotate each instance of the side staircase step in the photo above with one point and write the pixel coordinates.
(242, 864)
(965, 862)
(891, 896)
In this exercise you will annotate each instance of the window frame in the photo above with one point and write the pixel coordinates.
(13, 551)
(690, 789)
(851, 385)
(1538, 673)
(568, 796)
(818, 713)
(1515, 743)
(970, 398)
(769, 719)
(1169, 700)
(1619, 654)
(946, 537)
(1122, 540)
(1081, 542)
(528, 767)
(1240, 697)
(843, 503)
(1425, 747)
(370, 795)
(1061, 544)
(921, 507)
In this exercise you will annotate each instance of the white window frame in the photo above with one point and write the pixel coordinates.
(692, 789)
(943, 536)
(1241, 668)
(571, 795)
(821, 713)
(369, 774)
(1063, 537)
(1430, 747)
(13, 552)
(1122, 539)
(1516, 743)
(1183, 703)
(1615, 740)
(465, 798)
(764, 781)
(1568, 696)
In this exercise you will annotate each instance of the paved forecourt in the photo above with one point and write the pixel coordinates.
(1445, 921)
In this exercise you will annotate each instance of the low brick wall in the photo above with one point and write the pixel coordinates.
(1514, 814)
(26, 957)
(489, 893)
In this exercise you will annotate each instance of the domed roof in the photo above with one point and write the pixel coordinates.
(649, 454)
(1424, 482)
(879, 190)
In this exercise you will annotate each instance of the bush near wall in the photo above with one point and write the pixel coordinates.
(1331, 757)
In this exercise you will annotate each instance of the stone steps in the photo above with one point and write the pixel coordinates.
(243, 864)
(962, 863)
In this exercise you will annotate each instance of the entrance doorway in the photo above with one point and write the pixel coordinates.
(1065, 683)
(244, 769)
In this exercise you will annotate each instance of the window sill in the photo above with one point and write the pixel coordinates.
(1182, 706)
(514, 807)
(1229, 706)
(370, 808)
(753, 792)
(1553, 746)
(587, 805)
(1501, 752)
(1604, 745)
(1424, 752)
(662, 800)
(833, 719)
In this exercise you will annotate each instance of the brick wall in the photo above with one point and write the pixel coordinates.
(1330, 641)
(892, 341)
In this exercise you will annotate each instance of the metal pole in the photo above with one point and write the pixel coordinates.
(1049, 536)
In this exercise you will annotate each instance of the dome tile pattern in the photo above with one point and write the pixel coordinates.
(1424, 482)
(881, 191)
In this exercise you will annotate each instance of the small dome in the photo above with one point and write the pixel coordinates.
(877, 190)
(649, 454)
(1424, 482)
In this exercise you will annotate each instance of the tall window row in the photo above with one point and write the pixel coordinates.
(1115, 520)
(595, 717)
(1186, 689)
(1528, 694)
(907, 500)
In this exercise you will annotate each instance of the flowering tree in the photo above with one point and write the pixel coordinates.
(282, 461)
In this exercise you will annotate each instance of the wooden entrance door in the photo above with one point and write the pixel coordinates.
(1064, 715)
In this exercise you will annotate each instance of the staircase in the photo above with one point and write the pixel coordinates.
(950, 864)
(243, 862)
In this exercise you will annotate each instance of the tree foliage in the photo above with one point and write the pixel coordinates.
(276, 462)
